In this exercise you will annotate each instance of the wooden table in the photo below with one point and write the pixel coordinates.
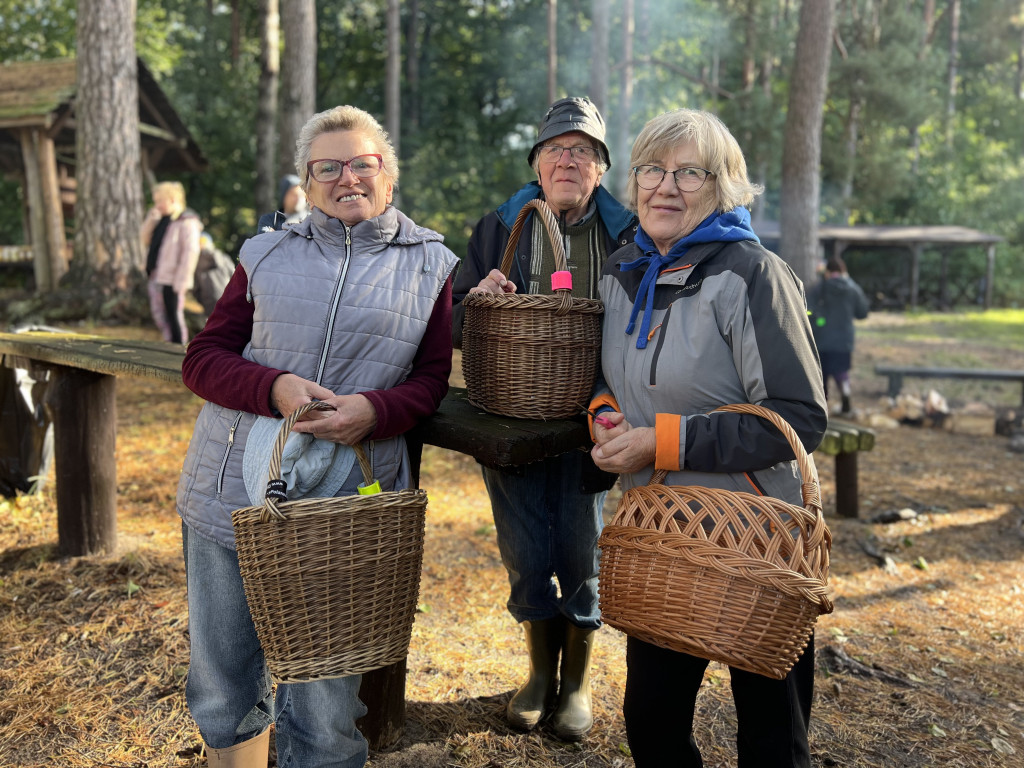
(81, 395)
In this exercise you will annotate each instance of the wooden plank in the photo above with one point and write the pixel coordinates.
(495, 440)
(119, 357)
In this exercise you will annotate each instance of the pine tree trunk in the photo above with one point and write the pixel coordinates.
(599, 55)
(266, 109)
(801, 152)
(552, 50)
(393, 77)
(298, 76)
(625, 140)
(108, 213)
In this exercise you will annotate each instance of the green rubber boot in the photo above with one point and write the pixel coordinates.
(537, 696)
(574, 717)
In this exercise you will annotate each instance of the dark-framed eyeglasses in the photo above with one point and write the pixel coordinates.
(690, 178)
(552, 153)
(363, 166)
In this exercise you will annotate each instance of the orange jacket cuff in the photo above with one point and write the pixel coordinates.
(599, 402)
(667, 438)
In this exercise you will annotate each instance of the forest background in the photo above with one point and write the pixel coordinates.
(923, 121)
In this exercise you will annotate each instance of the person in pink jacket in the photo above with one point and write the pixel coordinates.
(170, 233)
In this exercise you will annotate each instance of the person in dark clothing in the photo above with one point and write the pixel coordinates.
(834, 303)
(292, 206)
(548, 514)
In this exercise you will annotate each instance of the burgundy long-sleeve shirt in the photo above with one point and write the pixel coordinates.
(216, 371)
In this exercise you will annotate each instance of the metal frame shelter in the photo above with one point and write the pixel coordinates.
(37, 146)
(836, 239)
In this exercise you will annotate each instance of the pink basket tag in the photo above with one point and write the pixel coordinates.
(561, 281)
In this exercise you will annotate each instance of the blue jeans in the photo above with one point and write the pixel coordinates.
(547, 528)
(229, 689)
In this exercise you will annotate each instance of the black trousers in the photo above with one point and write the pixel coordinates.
(661, 695)
(171, 313)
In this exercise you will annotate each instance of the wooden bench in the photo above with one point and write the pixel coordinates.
(897, 373)
(845, 440)
(81, 396)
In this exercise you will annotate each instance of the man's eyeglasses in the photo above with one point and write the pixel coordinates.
(552, 153)
(363, 166)
(688, 179)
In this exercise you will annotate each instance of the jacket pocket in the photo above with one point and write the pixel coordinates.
(227, 453)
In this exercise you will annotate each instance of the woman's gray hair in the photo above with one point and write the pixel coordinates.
(344, 118)
(716, 147)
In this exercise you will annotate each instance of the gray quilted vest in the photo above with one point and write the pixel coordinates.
(346, 307)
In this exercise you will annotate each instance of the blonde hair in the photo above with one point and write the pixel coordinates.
(173, 191)
(717, 148)
(344, 118)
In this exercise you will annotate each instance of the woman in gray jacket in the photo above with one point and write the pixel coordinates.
(698, 315)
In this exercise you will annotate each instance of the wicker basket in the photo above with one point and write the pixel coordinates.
(727, 576)
(526, 355)
(332, 583)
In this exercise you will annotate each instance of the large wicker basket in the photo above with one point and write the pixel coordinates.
(728, 576)
(332, 584)
(527, 355)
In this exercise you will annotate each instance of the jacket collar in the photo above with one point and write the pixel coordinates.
(614, 215)
(392, 226)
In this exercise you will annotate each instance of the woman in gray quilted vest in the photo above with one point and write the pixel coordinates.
(351, 307)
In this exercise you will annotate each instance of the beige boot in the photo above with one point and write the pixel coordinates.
(530, 703)
(253, 753)
(573, 717)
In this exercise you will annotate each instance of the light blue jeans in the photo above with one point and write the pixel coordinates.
(229, 689)
(547, 529)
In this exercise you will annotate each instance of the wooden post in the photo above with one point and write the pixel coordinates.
(944, 280)
(53, 210)
(383, 693)
(36, 219)
(846, 485)
(990, 271)
(915, 273)
(83, 408)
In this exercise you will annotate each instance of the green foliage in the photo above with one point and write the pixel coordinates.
(469, 118)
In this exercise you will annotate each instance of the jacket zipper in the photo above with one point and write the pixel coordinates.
(657, 347)
(334, 305)
(227, 454)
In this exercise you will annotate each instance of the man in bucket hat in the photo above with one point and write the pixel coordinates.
(548, 514)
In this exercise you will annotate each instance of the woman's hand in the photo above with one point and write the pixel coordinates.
(618, 426)
(352, 419)
(495, 282)
(289, 391)
(630, 451)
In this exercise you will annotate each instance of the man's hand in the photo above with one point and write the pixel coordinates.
(495, 282)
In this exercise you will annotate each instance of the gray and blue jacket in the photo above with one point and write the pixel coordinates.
(727, 325)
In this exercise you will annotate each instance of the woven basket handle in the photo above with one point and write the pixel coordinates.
(551, 225)
(808, 487)
(270, 508)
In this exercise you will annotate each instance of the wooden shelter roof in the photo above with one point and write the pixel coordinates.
(907, 236)
(42, 94)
